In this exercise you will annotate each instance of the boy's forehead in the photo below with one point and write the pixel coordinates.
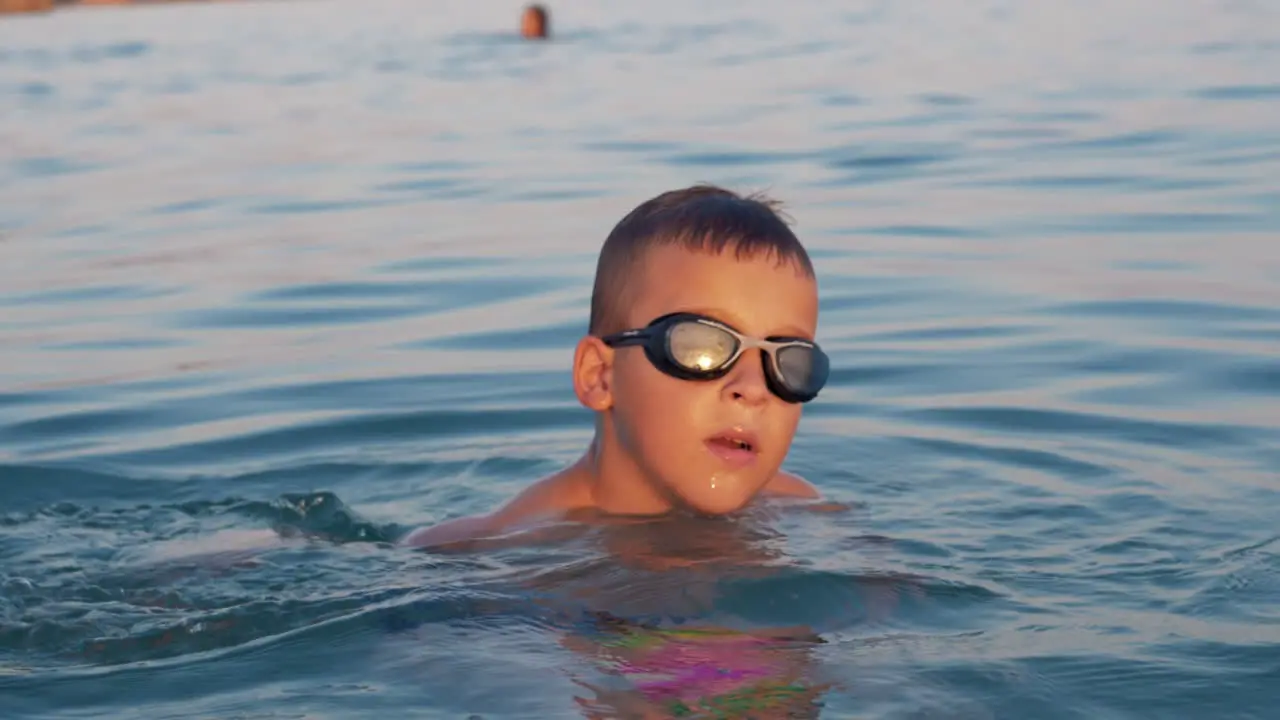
(760, 290)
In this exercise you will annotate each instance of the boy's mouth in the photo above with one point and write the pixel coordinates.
(737, 447)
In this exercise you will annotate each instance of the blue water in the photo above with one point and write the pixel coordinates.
(282, 281)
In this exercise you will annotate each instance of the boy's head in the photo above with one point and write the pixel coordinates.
(692, 405)
(533, 22)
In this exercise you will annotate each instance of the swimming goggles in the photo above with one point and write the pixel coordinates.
(695, 347)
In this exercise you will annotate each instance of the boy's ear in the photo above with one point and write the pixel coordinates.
(593, 373)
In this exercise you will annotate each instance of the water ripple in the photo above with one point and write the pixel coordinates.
(1026, 420)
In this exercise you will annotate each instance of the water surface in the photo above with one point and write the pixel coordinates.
(315, 270)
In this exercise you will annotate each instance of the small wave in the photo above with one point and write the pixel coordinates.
(1058, 464)
(885, 161)
(1150, 309)
(349, 431)
(123, 585)
(1142, 139)
(733, 158)
(27, 488)
(320, 515)
(866, 602)
(1026, 420)
(1165, 222)
(1238, 92)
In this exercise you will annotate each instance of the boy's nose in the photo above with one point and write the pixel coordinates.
(746, 383)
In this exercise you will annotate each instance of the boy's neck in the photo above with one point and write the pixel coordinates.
(616, 483)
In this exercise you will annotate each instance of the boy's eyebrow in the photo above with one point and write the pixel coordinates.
(732, 320)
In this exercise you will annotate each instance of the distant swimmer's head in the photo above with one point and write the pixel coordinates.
(534, 23)
(700, 352)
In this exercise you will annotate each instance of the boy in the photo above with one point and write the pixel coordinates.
(698, 358)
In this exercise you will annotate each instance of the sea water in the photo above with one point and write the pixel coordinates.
(282, 281)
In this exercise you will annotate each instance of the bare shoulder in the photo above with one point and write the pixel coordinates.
(547, 498)
(784, 484)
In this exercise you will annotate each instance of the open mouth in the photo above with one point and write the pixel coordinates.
(735, 445)
(732, 443)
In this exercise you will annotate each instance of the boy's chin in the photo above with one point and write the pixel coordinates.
(714, 500)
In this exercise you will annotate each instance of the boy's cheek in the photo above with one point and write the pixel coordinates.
(639, 385)
(788, 422)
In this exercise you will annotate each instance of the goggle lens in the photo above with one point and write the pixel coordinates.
(699, 347)
(802, 369)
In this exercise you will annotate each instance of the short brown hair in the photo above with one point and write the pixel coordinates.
(700, 218)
